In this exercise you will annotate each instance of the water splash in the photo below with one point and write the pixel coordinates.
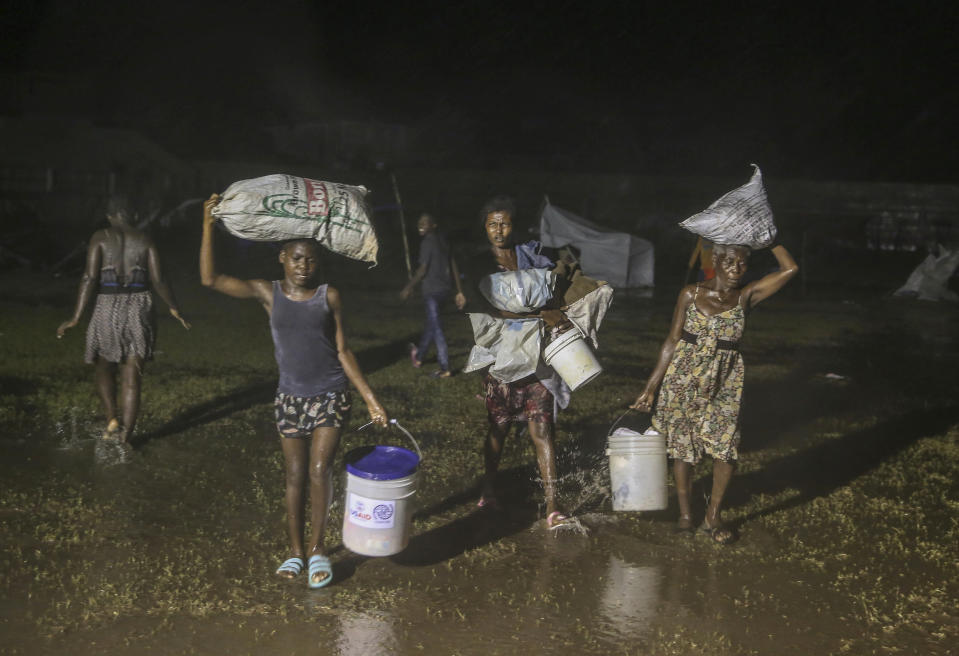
(70, 431)
(571, 525)
(108, 453)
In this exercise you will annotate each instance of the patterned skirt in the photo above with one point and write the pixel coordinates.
(122, 326)
(698, 404)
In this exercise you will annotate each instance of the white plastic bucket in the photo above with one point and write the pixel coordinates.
(573, 360)
(637, 470)
(380, 485)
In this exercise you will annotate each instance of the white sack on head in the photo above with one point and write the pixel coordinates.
(741, 217)
(281, 207)
(520, 291)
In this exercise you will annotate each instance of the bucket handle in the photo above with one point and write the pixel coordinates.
(618, 419)
(396, 423)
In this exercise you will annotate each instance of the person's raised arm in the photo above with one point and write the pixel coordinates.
(160, 284)
(348, 360)
(770, 284)
(88, 283)
(258, 289)
(644, 402)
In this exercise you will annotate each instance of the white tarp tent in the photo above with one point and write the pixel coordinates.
(929, 281)
(619, 258)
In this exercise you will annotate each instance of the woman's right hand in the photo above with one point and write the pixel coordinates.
(643, 402)
(64, 326)
(377, 413)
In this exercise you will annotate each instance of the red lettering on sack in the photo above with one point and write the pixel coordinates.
(317, 202)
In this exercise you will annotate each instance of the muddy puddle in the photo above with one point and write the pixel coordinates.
(845, 503)
(470, 582)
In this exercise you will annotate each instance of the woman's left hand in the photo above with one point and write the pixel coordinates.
(176, 315)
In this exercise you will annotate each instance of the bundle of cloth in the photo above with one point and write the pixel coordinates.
(512, 348)
(281, 207)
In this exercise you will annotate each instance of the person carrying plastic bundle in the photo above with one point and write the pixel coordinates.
(122, 266)
(527, 399)
(695, 389)
(312, 401)
(436, 269)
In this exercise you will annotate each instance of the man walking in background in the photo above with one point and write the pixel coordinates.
(436, 269)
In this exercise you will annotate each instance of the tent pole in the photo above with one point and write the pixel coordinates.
(406, 243)
(692, 260)
(802, 260)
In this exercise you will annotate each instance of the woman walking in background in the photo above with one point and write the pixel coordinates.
(122, 266)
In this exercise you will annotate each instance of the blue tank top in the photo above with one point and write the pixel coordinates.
(304, 345)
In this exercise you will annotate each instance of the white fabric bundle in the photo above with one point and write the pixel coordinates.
(929, 281)
(588, 312)
(520, 291)
(511, 346)
(741, 217)
(281, 207)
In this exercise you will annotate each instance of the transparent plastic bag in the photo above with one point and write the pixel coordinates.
(520, 291)
(509, 347)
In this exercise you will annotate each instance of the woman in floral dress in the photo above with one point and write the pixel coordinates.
(699, 377)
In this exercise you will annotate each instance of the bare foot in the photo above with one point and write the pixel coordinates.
(112, 430)
(718, 534)
(684, 524)
(291, 567)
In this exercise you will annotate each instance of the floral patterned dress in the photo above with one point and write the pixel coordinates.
(699, 399)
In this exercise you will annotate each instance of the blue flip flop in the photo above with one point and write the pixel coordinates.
(290, 568)
(318, 565)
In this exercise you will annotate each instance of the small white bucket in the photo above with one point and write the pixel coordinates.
(380, 485)
(573, 360)
(637, 470)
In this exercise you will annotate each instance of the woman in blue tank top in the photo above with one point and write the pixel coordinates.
(312, 398)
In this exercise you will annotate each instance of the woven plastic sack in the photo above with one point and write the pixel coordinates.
(741, 217)
(520, 291)
(280, 207)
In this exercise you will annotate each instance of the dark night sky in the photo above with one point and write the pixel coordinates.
(839, 90)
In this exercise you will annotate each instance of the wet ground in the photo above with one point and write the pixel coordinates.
(845, 504)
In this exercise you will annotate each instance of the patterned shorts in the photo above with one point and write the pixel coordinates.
(298, 416)
(523, 400)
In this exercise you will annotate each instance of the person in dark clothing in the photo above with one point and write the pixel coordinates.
(436, 270)
(313, 401)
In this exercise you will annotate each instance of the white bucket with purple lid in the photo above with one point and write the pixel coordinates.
(380, 485)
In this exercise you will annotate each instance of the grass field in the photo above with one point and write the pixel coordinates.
(846, 499)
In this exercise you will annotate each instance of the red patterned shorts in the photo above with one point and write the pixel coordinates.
(522, 400)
